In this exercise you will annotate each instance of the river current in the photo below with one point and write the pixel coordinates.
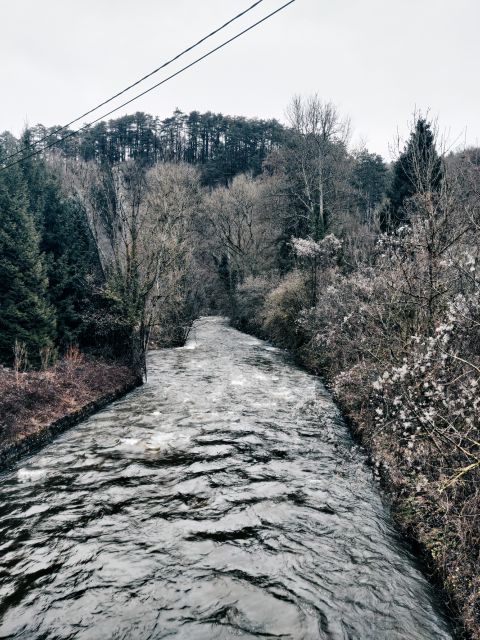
(224, 499)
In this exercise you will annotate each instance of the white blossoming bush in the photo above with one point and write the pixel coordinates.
(357, 321)
(324, 252)
(431, 401)
(306, 247)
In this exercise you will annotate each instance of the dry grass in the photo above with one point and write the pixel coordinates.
(30, 401)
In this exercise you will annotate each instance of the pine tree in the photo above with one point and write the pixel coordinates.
(65, 241)
(71, 261)
(370, 176)
(418, 169)
(25, 314)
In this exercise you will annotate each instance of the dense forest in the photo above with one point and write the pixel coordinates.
(221, 146)
(53, 206)
(117, 238)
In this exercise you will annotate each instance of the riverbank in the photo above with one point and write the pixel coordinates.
(432, 514)
(36, 406)
(214, 483)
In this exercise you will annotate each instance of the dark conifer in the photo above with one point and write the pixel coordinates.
(25, 315)
(417, 170)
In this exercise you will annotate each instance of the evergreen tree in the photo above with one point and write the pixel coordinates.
(72, 264)
(224, 146)
(67, 245)
(25, 314)
(418, 169)
(370, 177)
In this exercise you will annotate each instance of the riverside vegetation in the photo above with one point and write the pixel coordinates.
(369, 273)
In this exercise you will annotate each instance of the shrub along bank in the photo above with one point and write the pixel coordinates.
(411, 396)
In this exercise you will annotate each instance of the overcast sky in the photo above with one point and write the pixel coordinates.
(378, 60)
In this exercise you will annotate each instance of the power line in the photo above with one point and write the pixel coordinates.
(149, 75)
(155, 86)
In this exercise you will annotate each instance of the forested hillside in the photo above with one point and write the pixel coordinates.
(48, 220)
(221, 145)
(117, 238)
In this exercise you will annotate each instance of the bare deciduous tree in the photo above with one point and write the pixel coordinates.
(140, 221)
(317, 160)
(245, 233)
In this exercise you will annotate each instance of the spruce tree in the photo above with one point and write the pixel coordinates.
(67, 245)
(25, 314)
(418, 169)
(370, 178)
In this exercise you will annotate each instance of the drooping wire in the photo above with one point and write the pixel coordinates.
(173, 75)
(137, 82)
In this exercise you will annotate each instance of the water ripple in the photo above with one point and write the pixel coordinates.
(224, 499)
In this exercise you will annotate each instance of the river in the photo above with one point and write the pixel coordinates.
(224, 499)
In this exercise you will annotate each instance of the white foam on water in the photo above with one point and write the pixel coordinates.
(191, 345)
(130, 442)
(166, 440)
(237, 382)
(283, 393)
(31, 475)
(35, 510)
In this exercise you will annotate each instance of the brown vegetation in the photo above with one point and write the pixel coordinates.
(31, 401)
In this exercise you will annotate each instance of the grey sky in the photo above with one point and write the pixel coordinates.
(377, 60)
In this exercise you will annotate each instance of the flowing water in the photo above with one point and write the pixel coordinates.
(224, 499)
